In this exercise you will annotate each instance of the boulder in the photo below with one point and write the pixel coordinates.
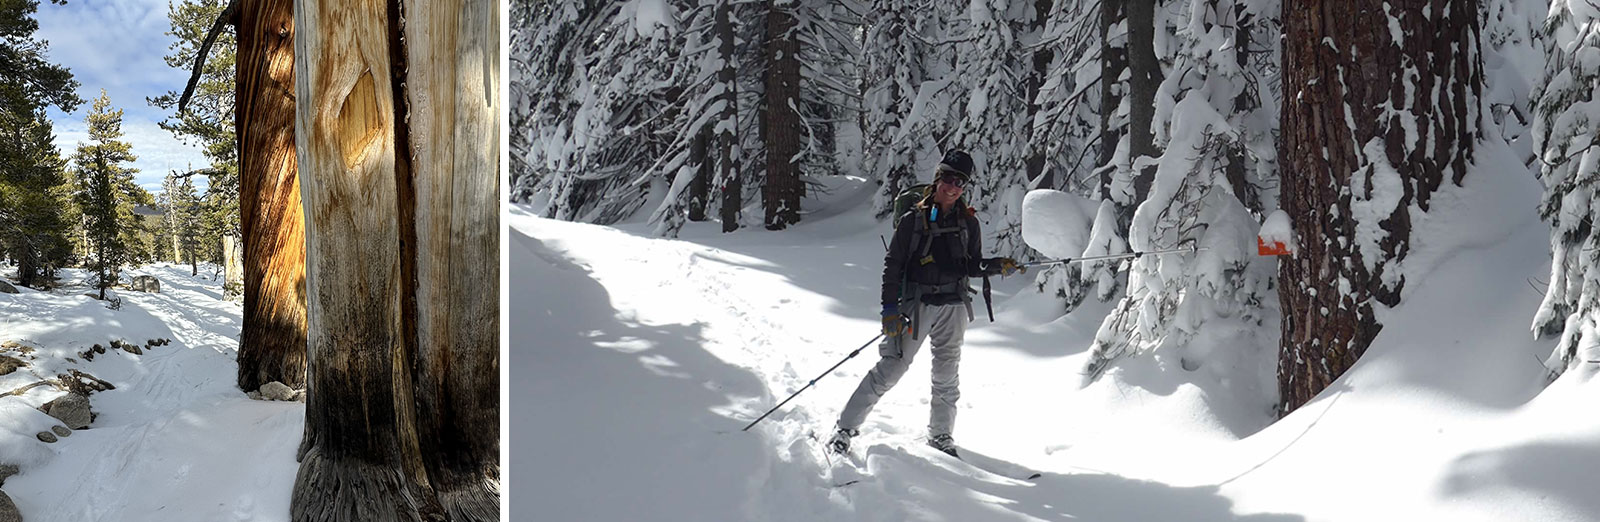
(62, 431)
(6, 471)
(277, 391)
(6, 288)
(47, 436)
(146, 283)
(10, 364)
(253, 395)
(71, 409)
(8, 509)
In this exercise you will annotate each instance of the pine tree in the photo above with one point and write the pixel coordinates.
(1218, 159)
(33, 227)
(106, 192)
(1565, 130)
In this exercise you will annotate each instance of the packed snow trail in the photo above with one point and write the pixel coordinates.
(635, 360)
(176, 440)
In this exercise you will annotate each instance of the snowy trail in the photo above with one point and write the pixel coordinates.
(635, 360)
(175, 440)
(774, 315)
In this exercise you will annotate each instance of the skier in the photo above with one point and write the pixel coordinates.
(935, 250)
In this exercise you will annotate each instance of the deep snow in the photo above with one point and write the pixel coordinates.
(176, 440)
(635, 361)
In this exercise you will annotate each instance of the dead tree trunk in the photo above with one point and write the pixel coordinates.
(398, 111)
(1371, 128)
(452, 88)
(272, 341)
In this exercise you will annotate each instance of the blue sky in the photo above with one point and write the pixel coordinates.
(118, 45)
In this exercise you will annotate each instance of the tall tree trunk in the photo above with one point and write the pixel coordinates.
(400, 152)
(729, 183)
(454, 96)
(1113, 62)
(1144, 78)
(781, 121)
(1413, 104)
(360, 459)
(272, 341)
(1246, 101)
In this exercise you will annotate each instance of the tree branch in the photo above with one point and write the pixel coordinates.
(229, 16)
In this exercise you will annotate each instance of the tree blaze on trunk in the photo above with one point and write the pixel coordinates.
(272, 341)
(399, 148)
(1374, 120)
(781, 120)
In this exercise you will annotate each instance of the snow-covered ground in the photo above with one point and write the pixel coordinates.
(176, 440)
(635, 361)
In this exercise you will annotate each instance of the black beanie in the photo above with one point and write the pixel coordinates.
(957, 160)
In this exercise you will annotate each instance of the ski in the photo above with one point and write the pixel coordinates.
(993, 465)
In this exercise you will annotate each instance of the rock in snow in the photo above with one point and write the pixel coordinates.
(277, 391)
(71, 409)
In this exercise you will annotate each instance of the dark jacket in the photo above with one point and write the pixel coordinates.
(951, 260)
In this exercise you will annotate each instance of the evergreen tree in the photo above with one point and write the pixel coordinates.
(1566, 127)
(208, 119)
(1218, 161)
(33, 226)
(106, 193)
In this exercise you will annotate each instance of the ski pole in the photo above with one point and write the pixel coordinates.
(1110, 256)
(813, 381)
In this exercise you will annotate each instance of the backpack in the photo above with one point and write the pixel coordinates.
(909, 200)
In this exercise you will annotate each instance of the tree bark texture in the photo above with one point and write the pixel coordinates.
(359, 459)
(272, 340)
(780, 121)
(1144, 78)
(454, 96)
(700, 186)
(1368, 122)
(727, 140)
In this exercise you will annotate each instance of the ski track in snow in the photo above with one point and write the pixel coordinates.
(175, 440)
(1466, 437)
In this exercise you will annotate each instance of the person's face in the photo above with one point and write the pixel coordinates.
(948, 190)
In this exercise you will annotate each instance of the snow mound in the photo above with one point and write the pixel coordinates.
(1056, 223)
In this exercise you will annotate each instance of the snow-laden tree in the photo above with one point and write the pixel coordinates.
(1217, 136)
(1066, 131)
(992, 63)
(902, 94)
(1566, 127)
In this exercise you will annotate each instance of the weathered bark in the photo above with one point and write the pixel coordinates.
(1144, 78)
(272, 340)
(359, 459)
(233, 268)
(1113, 62)
(730, 187)
(1338, 71)
(399, 118)
(780, 121)
(454, 96)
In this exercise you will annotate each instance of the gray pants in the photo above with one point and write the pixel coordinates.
(946, 326)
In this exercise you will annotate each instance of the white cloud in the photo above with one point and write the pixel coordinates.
(118, 46)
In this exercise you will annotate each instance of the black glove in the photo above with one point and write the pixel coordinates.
(894, 324)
